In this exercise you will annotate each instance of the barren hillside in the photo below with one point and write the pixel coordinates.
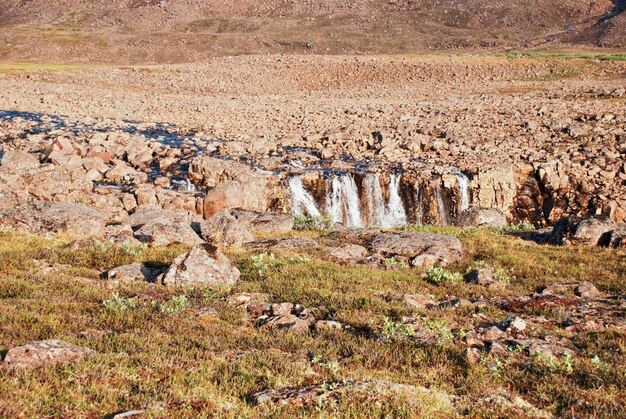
(186, 30)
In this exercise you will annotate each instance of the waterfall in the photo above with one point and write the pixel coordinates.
(463, 190)
(184, 185)
(396, 214)
(334, 202)
(441, 205)
(375, 201)
(381, 214)
(302, 201)
(353, 203)
(342, 201)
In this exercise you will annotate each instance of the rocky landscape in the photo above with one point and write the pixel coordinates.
(312, 234)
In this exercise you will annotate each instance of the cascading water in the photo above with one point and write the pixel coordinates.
(343, 203)
(375, 201)
(302, 201)
(396, 214)
(419, 205)
(391, 214)
(463, 190)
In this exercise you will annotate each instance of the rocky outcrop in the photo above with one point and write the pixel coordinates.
(203, 265)
(157, 233)
(479, 217)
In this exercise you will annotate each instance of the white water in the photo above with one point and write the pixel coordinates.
(302, 201)
(184, 185)
(463, 190)
(381, 214)
(343, 203)
(375, 201)
(396, 214)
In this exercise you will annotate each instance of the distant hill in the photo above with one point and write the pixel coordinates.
(187, 30)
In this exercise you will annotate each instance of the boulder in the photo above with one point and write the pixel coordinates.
(134, 272)
(484, 277)
(43, 353)
(157, 233)
(347, 253)
(593, 231)
(74, 220)
(478, 217)
(223, 229)
(19, 161)
(202, 265)
(264, 222)
(145, 214)
(425, 249)
(286, 323)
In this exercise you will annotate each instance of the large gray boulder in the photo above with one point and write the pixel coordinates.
(203, 265)
(264, 222)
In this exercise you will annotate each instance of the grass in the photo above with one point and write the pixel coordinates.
(565, 55)
(36, 66)
(155, 354)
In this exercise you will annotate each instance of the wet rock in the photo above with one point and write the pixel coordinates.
(157, 233)
(134, 272)
(43, 353)
(74, 220)
(479, 217)
(203, 265)
(223, 229)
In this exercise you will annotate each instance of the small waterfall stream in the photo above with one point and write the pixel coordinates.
(303, 202)
(379, 200)
(463, 190)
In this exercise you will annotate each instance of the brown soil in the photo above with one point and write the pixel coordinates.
(158, 31)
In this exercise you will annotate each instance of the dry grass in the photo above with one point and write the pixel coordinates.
(172, 363)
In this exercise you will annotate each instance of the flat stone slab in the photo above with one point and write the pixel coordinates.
(45, 352)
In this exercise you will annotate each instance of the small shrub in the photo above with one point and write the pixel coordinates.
(134, 250)
(119, 304)
(393, 263)
(499, 274)
(306, 222)
(263, 262)
(393, 331)
(174, 305)
(439, 275)
(439, 327)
